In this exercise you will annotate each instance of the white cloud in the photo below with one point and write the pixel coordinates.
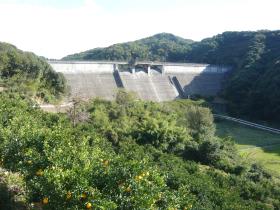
(56, 32)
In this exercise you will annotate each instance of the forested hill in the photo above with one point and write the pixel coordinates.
(27, 73)
(160, 47)
(252, 89)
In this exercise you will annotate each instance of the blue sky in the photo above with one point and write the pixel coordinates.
(55, 28)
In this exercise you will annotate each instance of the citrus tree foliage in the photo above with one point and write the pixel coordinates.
(25, 72)
(128, 155)
(12, 190)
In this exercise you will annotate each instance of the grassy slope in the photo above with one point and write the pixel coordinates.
(254, 144)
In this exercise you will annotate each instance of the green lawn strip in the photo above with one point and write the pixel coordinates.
(254, 144)
(268, 157)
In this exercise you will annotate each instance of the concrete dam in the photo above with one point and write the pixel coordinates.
(154, 81)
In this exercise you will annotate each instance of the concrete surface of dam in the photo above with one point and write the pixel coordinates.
(154, 81)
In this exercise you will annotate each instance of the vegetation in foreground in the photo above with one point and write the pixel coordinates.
(254, 144)
(128, 154)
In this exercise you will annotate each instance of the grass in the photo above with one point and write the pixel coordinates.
(254, 144)
(269, 158)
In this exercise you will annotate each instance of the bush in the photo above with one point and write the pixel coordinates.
(123, 157)
(12, 191)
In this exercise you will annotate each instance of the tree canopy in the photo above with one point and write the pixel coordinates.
(252, 88)
(160, 47)
(128, 154)
(27, 73)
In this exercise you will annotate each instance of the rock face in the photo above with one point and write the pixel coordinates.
(149, 80)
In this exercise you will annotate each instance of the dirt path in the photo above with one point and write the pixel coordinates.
(56, 108)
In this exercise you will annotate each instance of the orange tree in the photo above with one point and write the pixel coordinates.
(68, 169)
(127, 156)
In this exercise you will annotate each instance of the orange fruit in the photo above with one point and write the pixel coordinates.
(84, 195)
(88, 205)
(39, 172)
(68, 195)
(45, 200)
(128, 189)
(106, 162)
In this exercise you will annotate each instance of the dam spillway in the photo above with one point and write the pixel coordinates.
(153, 81)
(149, 87)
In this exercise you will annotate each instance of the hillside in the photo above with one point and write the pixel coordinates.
(253, 86)
(160, 47)
(24, 72)
(252, 89)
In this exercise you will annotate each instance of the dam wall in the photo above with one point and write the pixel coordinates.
(151, 81)
(91, 85)
(149, 87)
(194, 69)
(204, 84)
(82, 67)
